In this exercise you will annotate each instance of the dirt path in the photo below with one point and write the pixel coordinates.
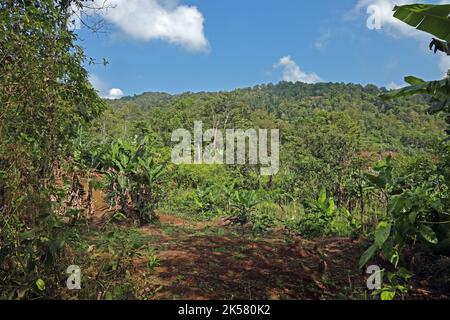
(211, 261)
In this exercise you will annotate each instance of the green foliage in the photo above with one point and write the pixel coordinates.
(438, 90)
(205, 200)
(29, 257)
(322, 217)
(45, 96)
(107, 259)
(416, 202)
(152, 261)
(243, 204)
(396, 285)
(332, 136)
(426, 17)
(415, 212)
(132, 174)
(432, 19)
(262, 221)
(318, 216)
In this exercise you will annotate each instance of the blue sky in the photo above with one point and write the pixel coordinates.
(212, 45)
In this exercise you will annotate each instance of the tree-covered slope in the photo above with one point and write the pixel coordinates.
(386, 126)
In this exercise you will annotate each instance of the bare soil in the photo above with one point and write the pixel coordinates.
(209, 260)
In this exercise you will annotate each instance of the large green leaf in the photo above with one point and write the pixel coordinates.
(40, 284)
(439, 90)
(382, 233)
(387, 295)
(430, 18)
(413, 80)
(367, 255)
(322, 198)
(428, 234)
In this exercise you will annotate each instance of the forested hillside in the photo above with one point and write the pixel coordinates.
(332, 135)
(395, 126)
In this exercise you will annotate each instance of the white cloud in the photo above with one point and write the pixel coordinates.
(383, 13)
(394, 86)
(165, 20)
(103, 89)
(115, 93)
(383, 10)
(293, 73)
(322, 41)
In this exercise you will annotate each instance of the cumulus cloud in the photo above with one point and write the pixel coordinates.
(115, 93)
(165, 20)
(103, 88)
(293, 73)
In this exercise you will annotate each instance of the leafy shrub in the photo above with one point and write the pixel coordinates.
(29, 257)
(414, 214)
(318, 216)
(132, 176)
(243, 205)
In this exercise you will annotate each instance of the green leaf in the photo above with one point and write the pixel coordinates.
(331, 207)
(40, 284)
(396, 205)
(322, 197)
(387, 295)
(426, 17)
(119, 216)
(412, 217)
(413, 80)
(367, 255)
(428, 234)
(382, 233)
(438, 89)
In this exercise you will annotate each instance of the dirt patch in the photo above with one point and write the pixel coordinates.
(208, 260)
(203, 265)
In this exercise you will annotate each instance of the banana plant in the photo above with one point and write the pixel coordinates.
(439, 91)
(205, 200)
(228, 191)
(323, 208)
(119, 164)
(243, 205)
(146, 189)
(433, 19)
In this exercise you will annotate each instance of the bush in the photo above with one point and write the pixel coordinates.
(133, 176)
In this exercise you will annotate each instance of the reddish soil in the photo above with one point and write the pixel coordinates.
(208, 261)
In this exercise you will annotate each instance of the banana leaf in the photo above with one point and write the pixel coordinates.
(430, 18)
(439, 91)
